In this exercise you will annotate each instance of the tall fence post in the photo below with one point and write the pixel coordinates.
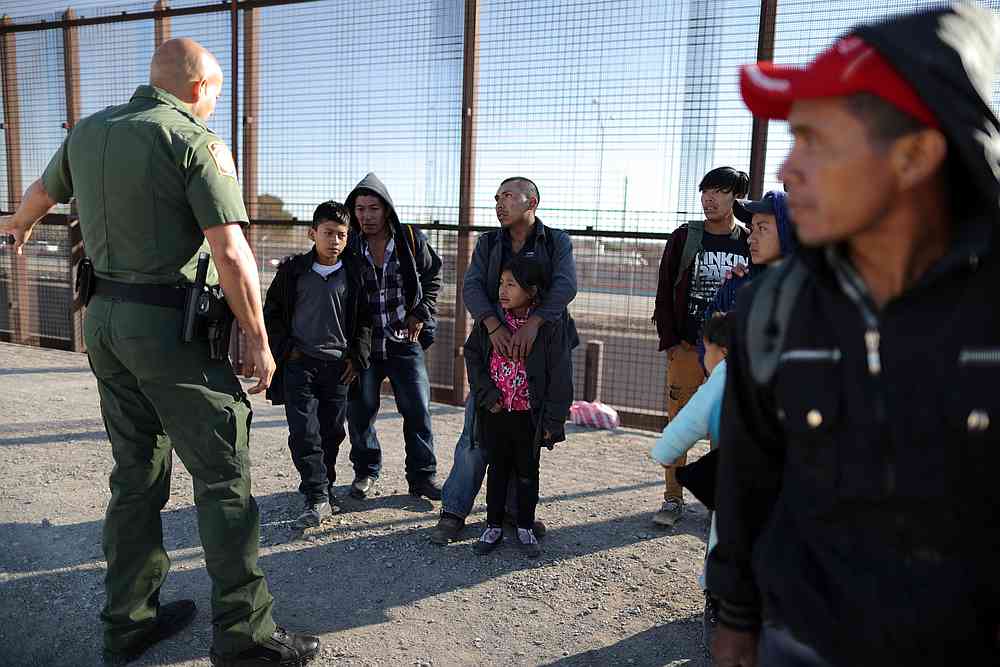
(234, 83)
(237, 339)
(593, 370)
(23, 301)
(758, 136)
(11, 114)
(161, 24)
(463, 253)
(251, 107)
(71, 78)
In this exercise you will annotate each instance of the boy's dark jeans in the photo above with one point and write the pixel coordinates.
(315, 406)
(407, 372)
(511, 453)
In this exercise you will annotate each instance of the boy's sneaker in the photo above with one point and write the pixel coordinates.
(361, 487)
(670, 512)
(491, 538)
(312, 514)
(528, 542)
(447, 529)
(709, 621)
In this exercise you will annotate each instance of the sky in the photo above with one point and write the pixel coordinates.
(614, 107)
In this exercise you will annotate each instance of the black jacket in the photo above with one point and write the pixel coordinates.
(419, 264)
(279, 309)
(857, 494)
(550, 381)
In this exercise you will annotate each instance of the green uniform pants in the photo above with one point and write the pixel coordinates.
(159, 394)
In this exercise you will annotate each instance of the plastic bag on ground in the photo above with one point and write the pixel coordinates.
(594, 415)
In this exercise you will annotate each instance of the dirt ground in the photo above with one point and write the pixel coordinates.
(609, 589)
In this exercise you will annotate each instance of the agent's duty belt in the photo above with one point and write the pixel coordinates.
(168, 296)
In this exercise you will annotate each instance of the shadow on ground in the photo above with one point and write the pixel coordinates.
(322, 587)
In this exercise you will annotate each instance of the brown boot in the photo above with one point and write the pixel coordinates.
(447, 529)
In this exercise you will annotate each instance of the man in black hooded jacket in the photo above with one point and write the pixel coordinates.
(402, 277)
(860, 437)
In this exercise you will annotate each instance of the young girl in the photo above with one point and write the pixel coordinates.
(520, 405)
(700, 418)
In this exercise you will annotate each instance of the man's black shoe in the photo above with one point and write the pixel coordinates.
(283, 648)
(171, 619)
(427, 487)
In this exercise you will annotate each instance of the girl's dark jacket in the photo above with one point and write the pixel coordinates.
(419, 265)
(279, 309)
(550, 381)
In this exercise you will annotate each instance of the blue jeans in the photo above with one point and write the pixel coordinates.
(467, 473)
(404, 366)
(315, 406)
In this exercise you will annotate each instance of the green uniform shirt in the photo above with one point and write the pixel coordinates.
(149, 177)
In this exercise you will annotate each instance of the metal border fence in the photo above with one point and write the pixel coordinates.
(617, 257)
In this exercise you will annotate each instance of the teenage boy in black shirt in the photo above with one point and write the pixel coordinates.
(319, 327)
(694, 265)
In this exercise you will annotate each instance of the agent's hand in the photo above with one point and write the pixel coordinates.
(523, 340)
(502, 339)
(347, 377)
(497, 407)
(733, 648)
(260, 365)
(12, 232)
(413, 328)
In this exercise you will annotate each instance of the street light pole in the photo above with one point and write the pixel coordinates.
(600, 164)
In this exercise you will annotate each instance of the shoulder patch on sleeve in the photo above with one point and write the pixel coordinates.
(223, 158)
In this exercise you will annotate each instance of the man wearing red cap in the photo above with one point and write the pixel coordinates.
(861, 426)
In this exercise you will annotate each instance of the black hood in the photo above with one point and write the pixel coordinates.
(949, 55)
(372, 185)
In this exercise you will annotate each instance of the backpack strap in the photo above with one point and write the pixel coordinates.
(770, 316)
(692, 246)
(413, 241)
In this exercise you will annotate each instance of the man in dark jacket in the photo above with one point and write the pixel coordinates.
(694, 264)
(860, 433)
(402, 276)
(521, 234)
(319, 328)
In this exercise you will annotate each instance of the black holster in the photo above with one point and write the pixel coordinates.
(85, 282)
(218, 321)
(206, 313)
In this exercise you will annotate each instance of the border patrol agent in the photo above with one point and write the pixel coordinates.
(156, 188)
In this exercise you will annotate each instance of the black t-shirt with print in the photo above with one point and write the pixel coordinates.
(719, 254)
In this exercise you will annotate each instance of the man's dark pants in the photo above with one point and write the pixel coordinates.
(160, 396)
(315, 407)
(407, 372)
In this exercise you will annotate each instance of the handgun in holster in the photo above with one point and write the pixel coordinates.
(85, 282)
(207, 314)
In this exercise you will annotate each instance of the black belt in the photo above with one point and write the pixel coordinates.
(168, 296)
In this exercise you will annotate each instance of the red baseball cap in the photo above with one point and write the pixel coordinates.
(849, 66)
